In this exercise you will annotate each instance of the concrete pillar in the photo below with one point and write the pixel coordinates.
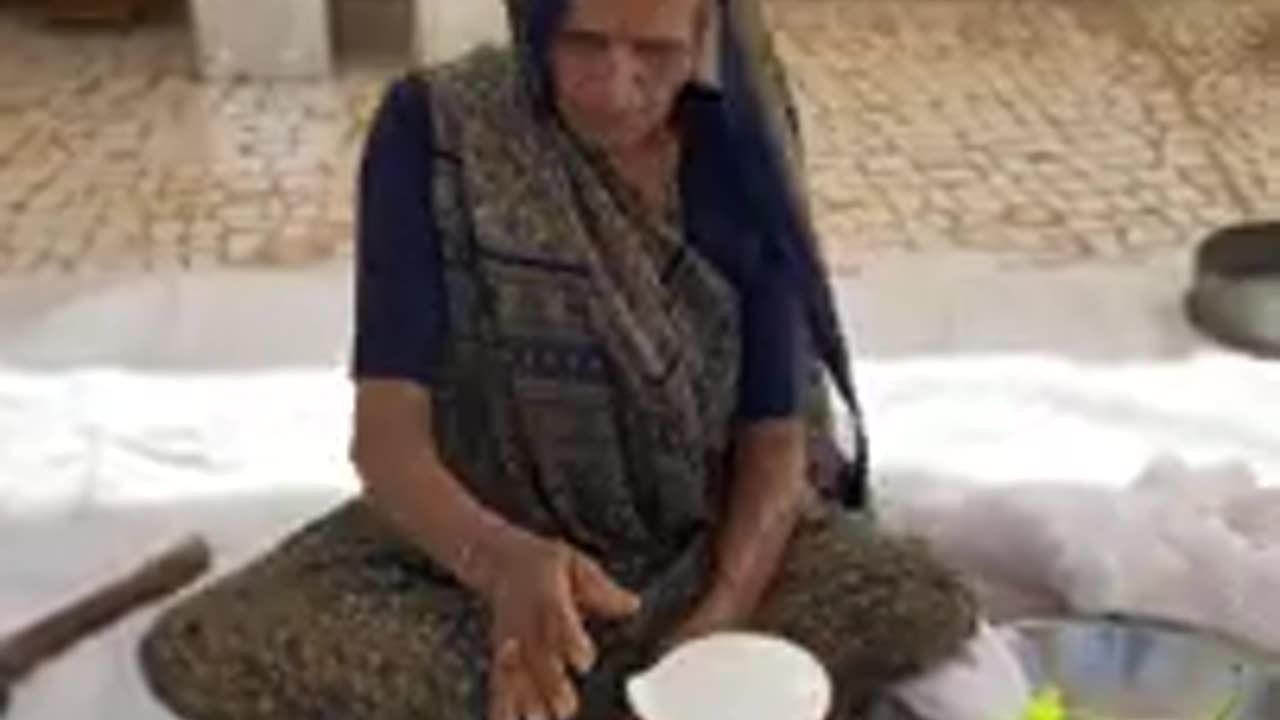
(448, 28)
(263, 39)
(278, 39)
(373, 30)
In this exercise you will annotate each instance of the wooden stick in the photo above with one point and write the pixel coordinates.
(164, 574)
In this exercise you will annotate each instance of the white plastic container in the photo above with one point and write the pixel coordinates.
(743, 676)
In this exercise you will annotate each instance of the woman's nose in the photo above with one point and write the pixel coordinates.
(623, 81)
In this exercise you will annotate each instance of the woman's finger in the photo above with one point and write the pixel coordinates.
(596, 592)
(569, 634)
(546, 663)
(502, 690)
(528, 700)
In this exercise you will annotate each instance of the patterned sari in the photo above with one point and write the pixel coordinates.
(587, 392)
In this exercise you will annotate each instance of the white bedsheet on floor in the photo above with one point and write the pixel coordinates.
(134, 410)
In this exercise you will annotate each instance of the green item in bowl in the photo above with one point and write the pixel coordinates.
(1048, 704)
(1123, 668)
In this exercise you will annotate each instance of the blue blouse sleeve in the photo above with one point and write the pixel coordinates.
(721, 226)
(399, 284)
(773, 345)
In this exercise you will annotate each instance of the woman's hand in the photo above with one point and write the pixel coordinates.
(540, 592)
(718, 612)
(768, 496)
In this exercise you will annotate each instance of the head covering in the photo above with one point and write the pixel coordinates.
(765, 137)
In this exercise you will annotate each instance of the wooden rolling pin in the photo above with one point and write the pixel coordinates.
(164, 574)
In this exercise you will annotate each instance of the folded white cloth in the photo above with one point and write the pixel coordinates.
(1195, 544)
(984, 682)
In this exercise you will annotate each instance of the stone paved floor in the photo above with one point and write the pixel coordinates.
(113, 158)
(1046, 129)
(1053, 129)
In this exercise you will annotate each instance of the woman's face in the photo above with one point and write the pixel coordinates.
(618, 66)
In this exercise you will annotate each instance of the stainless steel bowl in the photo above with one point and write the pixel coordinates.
(1135, 669)
(1235, 298)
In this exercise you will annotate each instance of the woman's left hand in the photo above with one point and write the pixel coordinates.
(716, 613)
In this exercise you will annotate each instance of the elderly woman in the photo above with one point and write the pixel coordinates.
(592, 326)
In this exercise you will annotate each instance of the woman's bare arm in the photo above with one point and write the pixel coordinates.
(395, 454)
(768, 495)
(538, 589)
(769, 492)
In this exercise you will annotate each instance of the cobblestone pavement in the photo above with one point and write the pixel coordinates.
(1048, 129)
(112, 157)
(1054, 129)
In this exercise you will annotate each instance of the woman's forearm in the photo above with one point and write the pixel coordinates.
(427, 505)
(412, 489)
(768, 494)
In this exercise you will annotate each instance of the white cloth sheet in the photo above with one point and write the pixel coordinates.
(136, 409)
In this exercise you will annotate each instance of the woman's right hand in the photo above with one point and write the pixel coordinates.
(540, 593)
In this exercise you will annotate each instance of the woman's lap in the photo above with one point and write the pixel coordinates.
(334, 623)
(874, 608)
(339, 622)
